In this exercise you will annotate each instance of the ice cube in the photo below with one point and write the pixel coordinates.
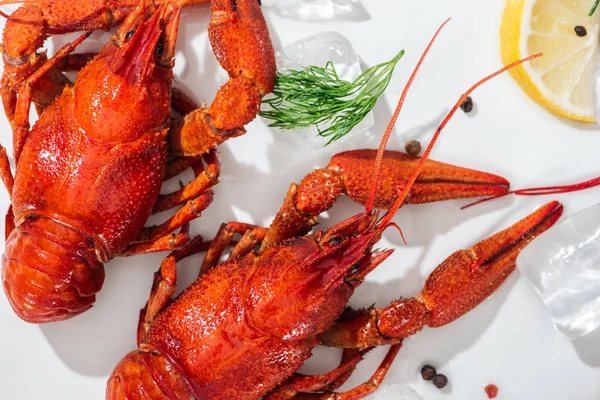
(313, 10)
(318, 50)
(399, 391)
(563, 266)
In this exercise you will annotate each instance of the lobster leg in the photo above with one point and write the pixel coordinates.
(222, 240)
(177, 165)
(5, 172)
(240, 40)
(182, 103)
(167, 243)
(347, 354)
(20, 123)
(456, 286)
(302, 383)
(349, 173)
(248, 242)
(203, 182)
(190, 211)
(164, 284)
(361, 391)
(9, 222)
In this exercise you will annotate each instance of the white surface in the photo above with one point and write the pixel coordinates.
(563, 268)
(509, 340)
(399, 391)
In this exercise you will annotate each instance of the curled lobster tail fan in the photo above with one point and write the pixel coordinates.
(50, 271)
(147, 372)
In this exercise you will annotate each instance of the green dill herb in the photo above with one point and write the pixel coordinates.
(594, 7)
(316, 95)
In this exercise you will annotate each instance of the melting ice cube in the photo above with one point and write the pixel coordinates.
(315, 9)
(318, 50)
(563, 266)
(397, 392)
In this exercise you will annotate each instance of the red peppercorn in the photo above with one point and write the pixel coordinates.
(491, 390)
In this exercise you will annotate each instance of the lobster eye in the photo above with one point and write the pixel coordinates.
(160, 47)
(129, 35)
(334, 241)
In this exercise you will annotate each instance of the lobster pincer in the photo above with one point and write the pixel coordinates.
(460, 283)
(350, 173)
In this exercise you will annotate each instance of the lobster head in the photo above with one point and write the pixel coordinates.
(299, 288)
(126, 90)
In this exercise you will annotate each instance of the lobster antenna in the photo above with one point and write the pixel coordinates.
(538, 191)
(379, 159)
(415, 174)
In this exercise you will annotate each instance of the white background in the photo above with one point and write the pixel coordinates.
(509, 340)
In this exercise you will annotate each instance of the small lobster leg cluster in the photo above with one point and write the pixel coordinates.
(31, 24)
(350, 173)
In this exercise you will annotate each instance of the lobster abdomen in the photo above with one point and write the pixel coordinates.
(50, 271)
(148, 374)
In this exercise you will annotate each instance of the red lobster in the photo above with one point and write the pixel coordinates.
(31, 24)
(89, 173)
(245, 326)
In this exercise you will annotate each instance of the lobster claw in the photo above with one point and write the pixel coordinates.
(438, 181)
(468, 277)
(350, 173)
(460, 283)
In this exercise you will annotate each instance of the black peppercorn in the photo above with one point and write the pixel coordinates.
(428, 372)
(467, 105)
(580, 31)
(413, 147)
(440, 381)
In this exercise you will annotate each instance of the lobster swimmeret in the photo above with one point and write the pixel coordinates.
(245, 326)
(89, 173)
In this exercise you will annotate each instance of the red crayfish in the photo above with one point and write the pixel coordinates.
(245, 326)
(89, 173)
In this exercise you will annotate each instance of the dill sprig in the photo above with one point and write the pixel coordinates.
(316, 95)
(594, 7)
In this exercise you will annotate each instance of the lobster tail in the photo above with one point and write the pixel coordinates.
(50, 271)
(147, 375)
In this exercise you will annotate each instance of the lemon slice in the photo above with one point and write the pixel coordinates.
(562, 81)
